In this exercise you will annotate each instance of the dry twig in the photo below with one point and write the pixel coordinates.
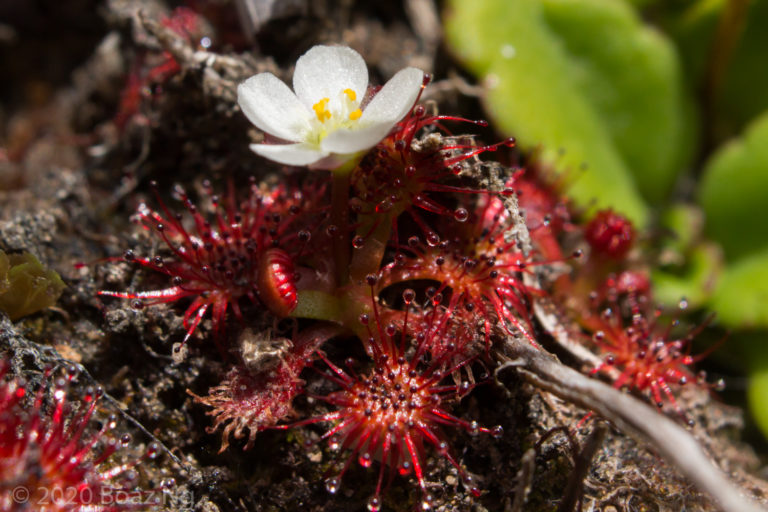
(631, 416)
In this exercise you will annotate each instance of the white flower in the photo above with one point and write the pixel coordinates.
(323, 122)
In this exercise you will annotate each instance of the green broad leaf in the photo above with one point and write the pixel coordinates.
(688, 266)
(757, 394)
(741, 296)
(26, 286)
(755, 348)
(631, 75)
(684, 224)
(696, 284)
(734, 190)
(587, 77)
(643, 3)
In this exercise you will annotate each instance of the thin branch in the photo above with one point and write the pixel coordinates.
(16, 344)
(583, 461)
(730, 28)
(634, 418)
(545, 312)
(219, 73)
(524, 480)
(425, 20)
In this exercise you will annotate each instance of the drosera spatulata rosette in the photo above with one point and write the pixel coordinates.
(55, 455)
(393, 411)
(399, 208)
(247, 249)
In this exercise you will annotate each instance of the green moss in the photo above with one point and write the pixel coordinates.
(26, 286)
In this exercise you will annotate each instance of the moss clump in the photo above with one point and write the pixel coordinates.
(26, 286)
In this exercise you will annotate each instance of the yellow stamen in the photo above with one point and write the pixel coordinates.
(355, 114)
(350, 94)
(321, 110)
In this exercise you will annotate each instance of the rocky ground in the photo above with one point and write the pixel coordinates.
(78, 159)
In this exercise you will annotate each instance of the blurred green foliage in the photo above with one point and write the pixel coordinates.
(26, 286)
(734, 189)
(590, 78)
(742, 293)
(666, 102)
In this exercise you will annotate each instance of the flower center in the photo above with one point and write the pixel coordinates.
(321, 110)
(349, 108)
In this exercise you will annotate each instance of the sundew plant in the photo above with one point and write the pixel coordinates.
(498, 255)
(412, 244)
(660, 110)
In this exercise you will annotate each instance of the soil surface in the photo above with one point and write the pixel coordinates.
(83, 133)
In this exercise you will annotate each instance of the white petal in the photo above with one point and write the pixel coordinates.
(273, 107)
(389, 106)
(325, 71)
(345, 140)
(395, 99)
(289, 154)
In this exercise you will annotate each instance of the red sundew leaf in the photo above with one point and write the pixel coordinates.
(244, 250)
(396, 410)
(252, 399)
(49, 448)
